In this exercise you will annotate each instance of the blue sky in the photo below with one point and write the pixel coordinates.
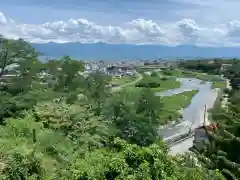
(170, 22)
(93, 10)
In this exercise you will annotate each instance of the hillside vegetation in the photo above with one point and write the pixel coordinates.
(48, 131)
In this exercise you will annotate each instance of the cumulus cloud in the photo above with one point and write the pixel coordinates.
(234, 28)
(3, 20)
(147, 27)
(190, 30)
(139, 31)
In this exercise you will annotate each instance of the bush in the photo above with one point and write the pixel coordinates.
(154, 74)
(148, 81)
(167, 72)
(226, 91)
(164, 78)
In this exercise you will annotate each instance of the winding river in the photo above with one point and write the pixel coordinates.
(193, 114)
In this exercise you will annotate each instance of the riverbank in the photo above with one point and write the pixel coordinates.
(192, 115)
(219, 84)
(158, 83)
(162, 83)
(173, 105)
(192, 74)
(167, 84)
(221, 102)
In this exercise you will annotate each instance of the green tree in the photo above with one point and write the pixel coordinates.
(222, 149)
(96, 90)
(75, 122)
(27, 73)
(13, 52)
(124, 161)
(70, 69)
(18, 59)
(64, 77)
(135, 115)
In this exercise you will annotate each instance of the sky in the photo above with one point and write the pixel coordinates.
(166, 22)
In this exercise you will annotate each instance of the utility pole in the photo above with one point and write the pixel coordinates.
(205, 113)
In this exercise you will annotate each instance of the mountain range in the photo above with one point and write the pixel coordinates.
(103, 51)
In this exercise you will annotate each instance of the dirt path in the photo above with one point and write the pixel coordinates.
(128, 84)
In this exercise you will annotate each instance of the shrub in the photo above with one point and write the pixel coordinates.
(154, 74)
(167, 72)
(164, 78)
(149, 82)
(226, 91)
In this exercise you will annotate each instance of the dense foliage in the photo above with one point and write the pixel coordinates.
(207, 66)
(58, 124)
(149, 81)
(222, 149)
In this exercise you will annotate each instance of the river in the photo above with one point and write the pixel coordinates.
(193, 114)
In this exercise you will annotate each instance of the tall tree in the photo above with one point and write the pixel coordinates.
(64, 76)
(13, 52)
(96, 90)
(135, 115)
(70, 70)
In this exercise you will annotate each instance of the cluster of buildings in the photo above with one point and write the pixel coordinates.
(115, 69)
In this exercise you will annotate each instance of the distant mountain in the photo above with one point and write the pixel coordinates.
(102, 51)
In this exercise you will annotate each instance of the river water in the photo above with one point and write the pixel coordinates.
(194, 113)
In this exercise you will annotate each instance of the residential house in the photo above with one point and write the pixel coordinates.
(201, 136)
(225, 66)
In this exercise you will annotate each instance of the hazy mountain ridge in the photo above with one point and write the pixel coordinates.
(101, 51)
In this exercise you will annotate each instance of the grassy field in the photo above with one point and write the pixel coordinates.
(169, 83)
(173, 104)
(219, 84)
(166, 83)
(123, 80)
(192, 74)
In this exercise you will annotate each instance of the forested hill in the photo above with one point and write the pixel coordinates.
(102, 51)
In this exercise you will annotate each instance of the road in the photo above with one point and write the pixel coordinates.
(184, 146)
(118, 88)
(181, 147)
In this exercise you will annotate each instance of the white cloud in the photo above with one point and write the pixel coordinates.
(190, 30)
(139, 31)
(234, 28)
(147, 27)
(3, 20)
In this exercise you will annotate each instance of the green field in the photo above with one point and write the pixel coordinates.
(219, 84)
(173, 104)
(192, 74)
(123, 80)
(162, 83)
(170, 83)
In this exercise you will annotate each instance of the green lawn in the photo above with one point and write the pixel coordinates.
(173, 104)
